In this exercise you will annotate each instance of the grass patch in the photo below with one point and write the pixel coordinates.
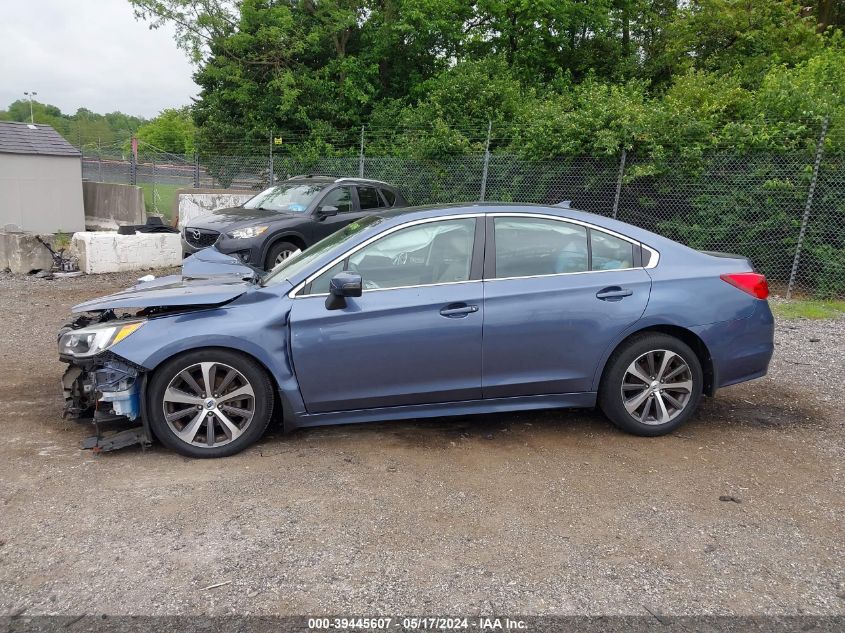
(809, 309)
(166, 198)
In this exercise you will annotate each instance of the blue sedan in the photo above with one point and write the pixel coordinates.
(437, 311)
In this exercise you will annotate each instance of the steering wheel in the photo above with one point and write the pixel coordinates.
(368, 283)
(400, 259)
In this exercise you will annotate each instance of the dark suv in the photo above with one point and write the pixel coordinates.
(288, 217)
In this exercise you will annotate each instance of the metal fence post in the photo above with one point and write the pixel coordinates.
(361, 156)
(807, 207)
(196, 170)
(155, 189)
(619, 182)
(133, 163)
(272, 170)
(486, 163)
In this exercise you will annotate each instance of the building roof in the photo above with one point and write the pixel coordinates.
(24, 138)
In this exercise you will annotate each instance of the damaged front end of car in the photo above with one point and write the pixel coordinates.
(100, 386)
(107, 389)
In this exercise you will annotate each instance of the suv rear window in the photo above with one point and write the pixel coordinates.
(369, 198)
(389, 196)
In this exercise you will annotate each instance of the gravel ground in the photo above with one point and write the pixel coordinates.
(530, 513)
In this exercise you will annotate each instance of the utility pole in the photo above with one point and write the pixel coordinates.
(31, 94)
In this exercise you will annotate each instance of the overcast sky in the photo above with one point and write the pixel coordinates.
(92, 54)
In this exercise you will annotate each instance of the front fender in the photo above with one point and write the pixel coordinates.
(282, 235)
(253, 328)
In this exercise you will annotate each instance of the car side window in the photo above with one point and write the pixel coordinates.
(610, 252)
(369, 198)
(389, 196)
(423, 254)
(527, 247)
(340, 198)
(320, 286)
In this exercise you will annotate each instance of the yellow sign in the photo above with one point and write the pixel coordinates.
(277, 140)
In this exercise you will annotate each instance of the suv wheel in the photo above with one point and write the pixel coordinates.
(210, 402)
(652, 385)
(278, 253)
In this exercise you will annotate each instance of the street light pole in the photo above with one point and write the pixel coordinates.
(31, 95)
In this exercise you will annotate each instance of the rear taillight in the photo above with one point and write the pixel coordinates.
(754, 284)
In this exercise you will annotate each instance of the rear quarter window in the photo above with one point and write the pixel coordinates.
(389, 196)
(369, 198)
(610, 252)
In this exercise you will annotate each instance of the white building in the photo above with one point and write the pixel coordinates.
(40, 180)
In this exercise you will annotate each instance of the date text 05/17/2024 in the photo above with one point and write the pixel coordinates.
(416, 623)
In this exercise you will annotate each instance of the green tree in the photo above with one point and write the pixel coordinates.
(741, 37)
(83, 128)
(171, 131)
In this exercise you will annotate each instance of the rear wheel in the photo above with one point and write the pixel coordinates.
(652, 385)
(279, 252)
(210, 403)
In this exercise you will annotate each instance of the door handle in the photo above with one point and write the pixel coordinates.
(614, 292)
(458, 310)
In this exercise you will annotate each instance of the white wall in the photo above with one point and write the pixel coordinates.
(41, 194)
(107, 252)
(193, 205)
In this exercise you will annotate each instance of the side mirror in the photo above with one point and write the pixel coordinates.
(326, 211)
(341, 286)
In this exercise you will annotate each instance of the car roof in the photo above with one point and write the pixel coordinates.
(394, 217)
(328, 180)
(563, 211)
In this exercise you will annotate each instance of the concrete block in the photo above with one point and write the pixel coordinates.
(106, 252)
(193, 205)
(22, 253)
(109, 205)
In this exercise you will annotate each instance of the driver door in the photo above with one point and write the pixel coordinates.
(413, 337)
(347, 211)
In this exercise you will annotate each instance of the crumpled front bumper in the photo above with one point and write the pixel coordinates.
(106, 390)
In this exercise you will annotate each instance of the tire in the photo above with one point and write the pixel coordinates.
(279, 252)
(622, 387)
(240, 406)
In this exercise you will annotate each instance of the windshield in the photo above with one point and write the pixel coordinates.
(295, 264)
(287, 198)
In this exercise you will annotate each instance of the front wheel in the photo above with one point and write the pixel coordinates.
(652, 385)
(279, 252)
(209, 402)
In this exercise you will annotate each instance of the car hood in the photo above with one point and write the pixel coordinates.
(208, 278)
(210, 262)
(171, 291)
(237, 217)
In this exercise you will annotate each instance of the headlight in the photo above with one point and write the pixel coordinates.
(88, 341)
(250, 231)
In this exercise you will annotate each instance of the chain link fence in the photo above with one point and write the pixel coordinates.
(786, 211)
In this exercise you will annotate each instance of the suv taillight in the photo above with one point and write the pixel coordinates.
(754, 284)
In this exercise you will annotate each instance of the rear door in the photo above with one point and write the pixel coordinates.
(556, 293)
(346, 201)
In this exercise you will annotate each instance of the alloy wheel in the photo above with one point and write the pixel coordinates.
(656, 387)
(285, 255)
(209, 404)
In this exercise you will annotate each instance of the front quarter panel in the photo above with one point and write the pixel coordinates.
(256, 324)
